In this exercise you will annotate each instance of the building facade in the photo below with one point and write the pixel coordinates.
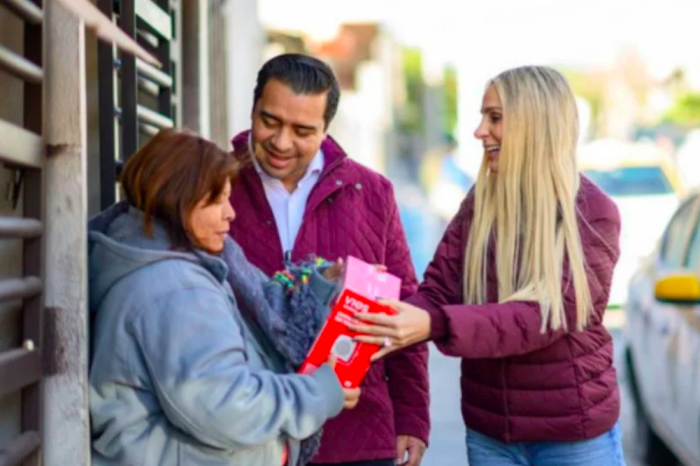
(72, 109)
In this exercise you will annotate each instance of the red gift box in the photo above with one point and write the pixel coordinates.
(353, 358)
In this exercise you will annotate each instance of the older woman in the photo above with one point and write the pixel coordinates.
(179, 375)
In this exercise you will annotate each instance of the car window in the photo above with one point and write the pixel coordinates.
(693, 258)
(677, 234)
(631, 181)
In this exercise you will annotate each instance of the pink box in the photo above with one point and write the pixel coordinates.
(362, 285)
(365, 280)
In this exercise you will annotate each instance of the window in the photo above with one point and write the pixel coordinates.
(678, 232)
(692, 260)
(632, 181)
(21, 163)
(139, 100)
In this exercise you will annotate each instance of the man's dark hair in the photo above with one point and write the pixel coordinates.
(304, 75)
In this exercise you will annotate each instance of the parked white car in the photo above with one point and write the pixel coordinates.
(662, 337)
(644, 184)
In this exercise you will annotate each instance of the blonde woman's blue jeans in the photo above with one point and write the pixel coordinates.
(604, 450)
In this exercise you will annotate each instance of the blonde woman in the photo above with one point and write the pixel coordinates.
(518, 287)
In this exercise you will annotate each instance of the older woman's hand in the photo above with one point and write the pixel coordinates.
(333, 272)
(351, 396)
(409, 326)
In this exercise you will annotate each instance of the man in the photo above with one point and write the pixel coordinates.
(302, 195)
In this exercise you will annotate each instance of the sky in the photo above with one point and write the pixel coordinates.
(483, 38)
(585, 33)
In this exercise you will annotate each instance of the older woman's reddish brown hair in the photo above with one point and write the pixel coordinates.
(171, 174)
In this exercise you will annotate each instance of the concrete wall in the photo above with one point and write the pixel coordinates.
(66, 438)
(245, 46)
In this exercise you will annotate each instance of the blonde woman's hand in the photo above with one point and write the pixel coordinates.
(410, 325)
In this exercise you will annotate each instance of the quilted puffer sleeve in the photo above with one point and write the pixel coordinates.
(441, 284)
(407, 370)
(193, 347)
(507, 329)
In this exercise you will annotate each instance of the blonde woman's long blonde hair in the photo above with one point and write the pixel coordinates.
(530, 205)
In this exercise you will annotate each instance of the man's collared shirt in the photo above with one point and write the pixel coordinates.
(288, 208)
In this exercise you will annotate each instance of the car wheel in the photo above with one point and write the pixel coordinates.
(652, 450)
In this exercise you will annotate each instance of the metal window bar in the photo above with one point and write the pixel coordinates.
(21, 148)
(19, 288)
(32, 251)
(146, 129)
(155, 16)
(20, 449)
(149, 73)
(153, 74)
(128, 83)
(19, 368)
(165, 104)
(146, 39)
(149, 117)
(25, 10)
(20, 67)
(107, 97)
(124, 121)
(24, 228)
(148, 87)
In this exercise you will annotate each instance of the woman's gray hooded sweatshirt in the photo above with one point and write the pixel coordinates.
(179, 376)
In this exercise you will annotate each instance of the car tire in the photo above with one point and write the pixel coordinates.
(653, 451)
